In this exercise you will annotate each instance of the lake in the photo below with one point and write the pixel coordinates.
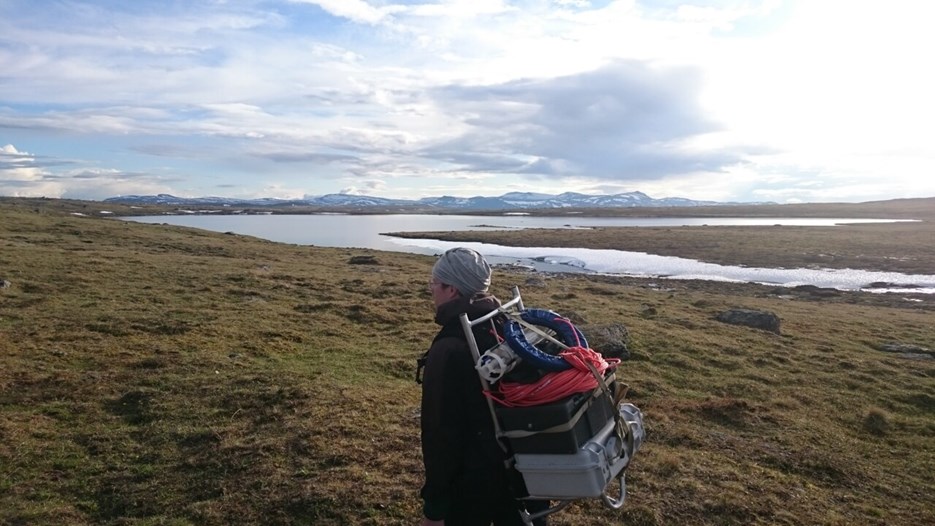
(365, 231)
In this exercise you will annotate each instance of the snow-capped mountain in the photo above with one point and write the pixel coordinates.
(508, 201)
(521, 200)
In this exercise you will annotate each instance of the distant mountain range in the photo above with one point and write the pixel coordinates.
(508, 201)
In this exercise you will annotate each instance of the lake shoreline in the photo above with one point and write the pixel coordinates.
(905, 248)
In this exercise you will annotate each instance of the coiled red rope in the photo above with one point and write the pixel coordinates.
(556, 385)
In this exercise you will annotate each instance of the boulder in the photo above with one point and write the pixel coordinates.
(763, 320)
(609, 340)
(575, 317)
(363, 260)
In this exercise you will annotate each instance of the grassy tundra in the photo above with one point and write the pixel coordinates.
(161, 375)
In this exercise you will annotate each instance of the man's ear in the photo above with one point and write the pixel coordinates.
(455, 293)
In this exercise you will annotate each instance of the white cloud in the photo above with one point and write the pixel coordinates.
(25, 175)
(355, 10)
(459, 9)
(728, 100)
(20, 177)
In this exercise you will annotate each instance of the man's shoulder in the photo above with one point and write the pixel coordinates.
(451, 330)
(449, 353)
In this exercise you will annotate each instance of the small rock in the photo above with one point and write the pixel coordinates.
(363, 260)
(648, 311)
(818, 292)
(902, 347)
(907, 350)
(4, 284)
(763, 320)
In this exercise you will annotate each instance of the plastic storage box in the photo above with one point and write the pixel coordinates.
(535, 419)
(584, 474)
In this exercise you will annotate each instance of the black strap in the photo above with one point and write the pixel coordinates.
(420, 364)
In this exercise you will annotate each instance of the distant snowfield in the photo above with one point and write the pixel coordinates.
(639, 264)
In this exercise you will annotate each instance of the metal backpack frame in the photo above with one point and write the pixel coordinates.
(512, 309)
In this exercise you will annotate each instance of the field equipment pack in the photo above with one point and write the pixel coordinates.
(556, 406)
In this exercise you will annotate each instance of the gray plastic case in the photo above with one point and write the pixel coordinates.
(584, 474)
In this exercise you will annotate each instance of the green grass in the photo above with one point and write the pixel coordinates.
(152, 374)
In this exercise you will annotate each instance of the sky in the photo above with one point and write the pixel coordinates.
(730, 100)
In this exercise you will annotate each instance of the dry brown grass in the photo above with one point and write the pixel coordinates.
(161, 375)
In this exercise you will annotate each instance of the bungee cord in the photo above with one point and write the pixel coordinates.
(555, 386)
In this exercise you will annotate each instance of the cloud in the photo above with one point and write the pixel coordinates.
(460, 9)
(26, 175)
(11, 158)
(627, 120)
(21, 176)
(368, 187)
(354, 10)
(311, 96)
(306, 157)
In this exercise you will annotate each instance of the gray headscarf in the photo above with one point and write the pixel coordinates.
(464, 268)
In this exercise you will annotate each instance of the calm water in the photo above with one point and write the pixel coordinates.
(364, 231)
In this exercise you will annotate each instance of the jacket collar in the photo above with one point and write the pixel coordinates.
(475, 307)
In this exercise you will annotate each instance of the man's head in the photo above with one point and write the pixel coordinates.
(459, 271)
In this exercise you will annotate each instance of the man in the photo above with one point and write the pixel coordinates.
(466, 481)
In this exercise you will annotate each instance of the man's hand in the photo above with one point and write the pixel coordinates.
(430, 522)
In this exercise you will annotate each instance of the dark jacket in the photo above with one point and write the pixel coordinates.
(462, 457)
